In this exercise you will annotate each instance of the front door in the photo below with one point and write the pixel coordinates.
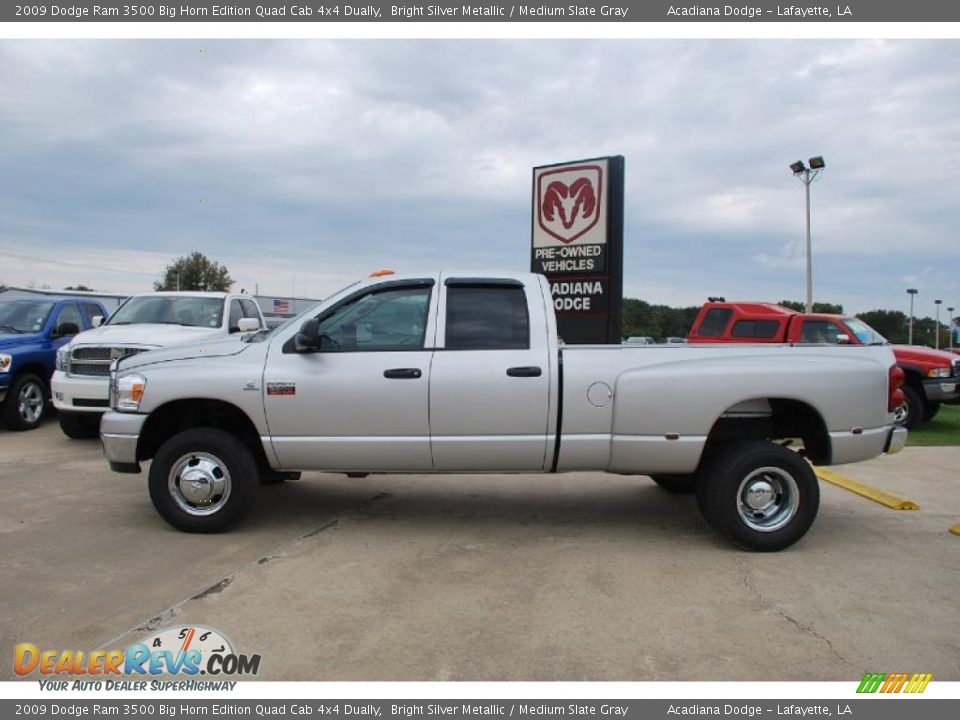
(360, 402)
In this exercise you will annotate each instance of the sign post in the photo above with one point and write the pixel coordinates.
(578, 244)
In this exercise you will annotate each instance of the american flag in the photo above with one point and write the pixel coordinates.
(281, 306)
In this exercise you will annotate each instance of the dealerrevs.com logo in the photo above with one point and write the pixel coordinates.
(178, 651)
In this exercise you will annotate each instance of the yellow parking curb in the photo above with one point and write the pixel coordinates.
(872, 493)
(955, 529)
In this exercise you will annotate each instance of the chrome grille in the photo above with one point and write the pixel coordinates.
(95, 360)
(92, 353)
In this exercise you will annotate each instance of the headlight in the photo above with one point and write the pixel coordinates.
(939, 373)
(63, 358)
(5, 362)
(127, 392)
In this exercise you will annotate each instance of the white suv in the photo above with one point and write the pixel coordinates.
(145, 322)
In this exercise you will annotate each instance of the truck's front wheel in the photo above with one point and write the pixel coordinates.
(203, 480)
(26, 403)
(761, 496)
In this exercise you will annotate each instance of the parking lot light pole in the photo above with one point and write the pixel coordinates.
(807, 175)
(911, 292)
(950, 327)
(937, 341)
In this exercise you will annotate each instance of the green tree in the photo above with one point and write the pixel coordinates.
(195, 272)
(826, 308)
(656, 321)
(892, 324)
(81, 287)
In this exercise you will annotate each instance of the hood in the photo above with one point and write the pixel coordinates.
(924, 355)
(145, 335)
(210, 349)
(12, 340)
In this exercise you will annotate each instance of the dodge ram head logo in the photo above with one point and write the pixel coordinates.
(568, 201)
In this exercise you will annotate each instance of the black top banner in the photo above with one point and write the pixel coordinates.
(622, 11)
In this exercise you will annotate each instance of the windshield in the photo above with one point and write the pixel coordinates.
(865, 334)
(24, 316)
(170, 310)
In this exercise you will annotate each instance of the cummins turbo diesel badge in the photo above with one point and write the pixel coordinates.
(281, 388)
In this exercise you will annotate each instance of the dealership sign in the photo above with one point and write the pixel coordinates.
(578, 245)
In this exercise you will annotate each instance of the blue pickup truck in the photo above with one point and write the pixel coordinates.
(31, 330)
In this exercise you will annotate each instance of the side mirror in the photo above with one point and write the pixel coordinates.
(308, 339)
(248, 324)
(96, 321)
(64, 329)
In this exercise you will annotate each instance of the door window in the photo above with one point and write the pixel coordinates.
(820, 331)
(250, 310)
(69, 314)
(91, 311)
(236, 312)
(393, 319)
(487, 318)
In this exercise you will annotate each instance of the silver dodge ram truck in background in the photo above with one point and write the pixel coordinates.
(453, 373)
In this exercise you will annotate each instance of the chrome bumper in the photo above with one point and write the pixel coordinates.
(896, 441)
(119, 434)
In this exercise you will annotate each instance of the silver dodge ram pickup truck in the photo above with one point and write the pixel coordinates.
(454, 373)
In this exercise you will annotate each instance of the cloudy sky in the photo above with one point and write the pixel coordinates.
(303, 165)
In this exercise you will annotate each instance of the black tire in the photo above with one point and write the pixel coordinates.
(79, 426)
(676, 484)
(26, 404)
(275, 477)
(914, 408)
(930, 410)
(218, 461)
(779, 476)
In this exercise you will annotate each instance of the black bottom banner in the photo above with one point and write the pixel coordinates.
(874, 708)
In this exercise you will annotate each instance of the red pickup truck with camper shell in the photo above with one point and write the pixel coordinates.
(931, 377)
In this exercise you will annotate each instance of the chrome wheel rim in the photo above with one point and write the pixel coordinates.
(900, 414)
(199, 484)
(767, 499)
(30, 402)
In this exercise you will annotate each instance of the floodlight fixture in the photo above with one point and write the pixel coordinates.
(798, 167)
(817, 163)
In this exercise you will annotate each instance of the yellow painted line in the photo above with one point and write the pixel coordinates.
(871, 493)
(955, 529)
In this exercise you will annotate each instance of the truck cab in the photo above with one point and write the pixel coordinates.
(931, 376)
(31, 332)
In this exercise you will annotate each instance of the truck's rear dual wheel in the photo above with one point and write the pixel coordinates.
(912, 412)
(203, 480)
(761, 496)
